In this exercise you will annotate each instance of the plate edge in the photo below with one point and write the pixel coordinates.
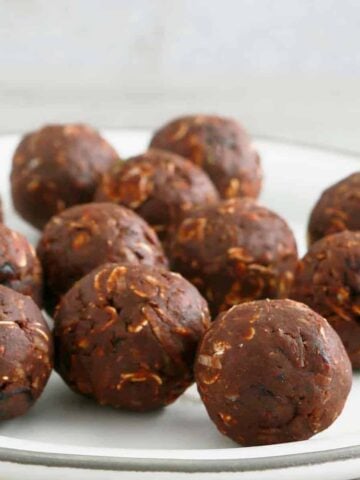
(58, 460)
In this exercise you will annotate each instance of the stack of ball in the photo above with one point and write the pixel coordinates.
(135, 259)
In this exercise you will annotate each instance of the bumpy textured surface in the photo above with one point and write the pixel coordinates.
(234, 252)
(86, 236)
(337, 209)
(272, 371)
(26, 353)
(56, 167)
(20, 268)
(328, 280)
(127, 336)
(160, 186)
(220, 146)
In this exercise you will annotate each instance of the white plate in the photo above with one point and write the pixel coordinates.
(66, 435)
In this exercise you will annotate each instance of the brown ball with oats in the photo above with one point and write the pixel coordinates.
(234, 252)
(160, 186)
(127, 336)
(86, 236)
(220, 146)
(56, 167)
(328, 280)
(20, 268)
(26, 353)
(337, 209)
(272, 371)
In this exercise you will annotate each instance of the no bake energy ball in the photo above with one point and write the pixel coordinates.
(127, 335)
(234, 252)
(160, 186)
(25, 353)
(20, 268)
(86, 236)
(56, 167)
(337, 209)
(272, 371)
(328, 280)
(220, 146)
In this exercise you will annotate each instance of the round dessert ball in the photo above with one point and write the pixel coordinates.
(337, 209)
(234, 252)
(56, 167)
(160, 186)
(127, 336)
(328, 280)
(220, 146)
(86, 236)
(20, 268)
(272, 371)
(26, 353)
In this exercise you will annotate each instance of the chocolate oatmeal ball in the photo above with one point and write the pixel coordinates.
(20, 268)
(86, 236)
(26, 353)
(337, 209)
(272, 371)
(328, 280)
(234, 252)
(220, 146)
(127, 335)
(160, 186)
(56, 167)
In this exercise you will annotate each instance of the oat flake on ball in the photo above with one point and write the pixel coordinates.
(272, 371)
(127, 336)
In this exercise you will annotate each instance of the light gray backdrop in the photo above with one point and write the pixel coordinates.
(289, 68)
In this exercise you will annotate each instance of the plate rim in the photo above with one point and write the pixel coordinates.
(126, 464)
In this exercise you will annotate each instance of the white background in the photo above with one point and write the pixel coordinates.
(289, 68)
